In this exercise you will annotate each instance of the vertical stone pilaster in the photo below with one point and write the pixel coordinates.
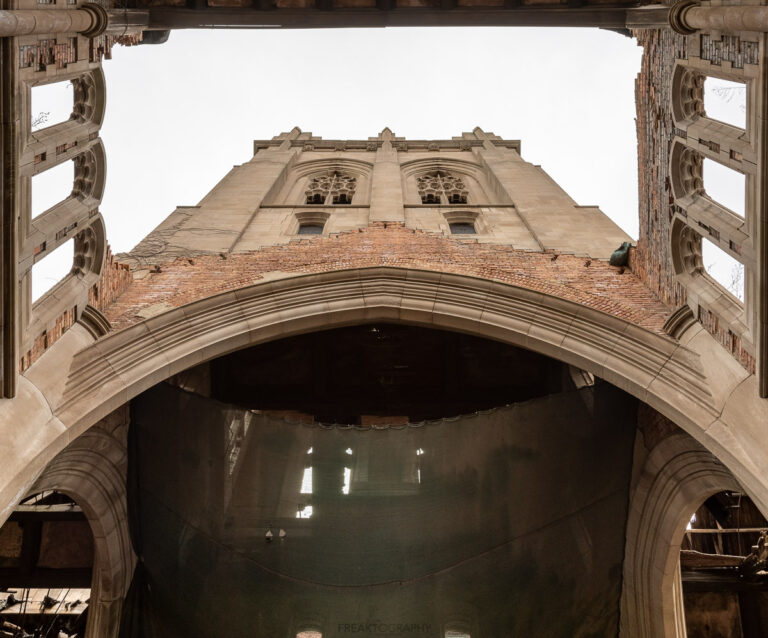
(554, 220)
(387, 184)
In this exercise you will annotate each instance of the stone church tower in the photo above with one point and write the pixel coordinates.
(381, 385)
(387, 386)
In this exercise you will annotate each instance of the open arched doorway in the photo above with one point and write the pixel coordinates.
(380, 478)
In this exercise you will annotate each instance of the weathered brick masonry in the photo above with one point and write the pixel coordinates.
(651, 260)
(592, 283)
(115, 279)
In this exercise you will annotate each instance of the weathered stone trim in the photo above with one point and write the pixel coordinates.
(678, 476)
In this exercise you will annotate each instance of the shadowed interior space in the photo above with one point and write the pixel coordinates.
(254, 516)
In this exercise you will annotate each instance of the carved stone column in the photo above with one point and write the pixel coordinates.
(90, 20)
(687, 17)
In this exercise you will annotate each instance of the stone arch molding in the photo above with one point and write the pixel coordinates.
(104, 375)
(677, 477)
(92, 471)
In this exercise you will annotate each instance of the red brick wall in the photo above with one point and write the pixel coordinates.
(47, 338)
(589, 282)
(114, 281)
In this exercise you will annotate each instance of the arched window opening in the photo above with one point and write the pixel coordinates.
(438, 186)
(51, 104)
(310, 229)
(46, 562)
(52, 268)
(52, 186)
(722, 564)
(723, 268)
(725, 186)
(462, 228)
(726, 101)
(335, 188)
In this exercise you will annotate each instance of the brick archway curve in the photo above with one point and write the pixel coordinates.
(104, 375)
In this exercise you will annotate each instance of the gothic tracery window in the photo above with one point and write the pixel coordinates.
(332, 188)
(441, 187)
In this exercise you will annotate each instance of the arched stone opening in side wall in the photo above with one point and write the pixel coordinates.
(723, 568)
(675, 483)
(46, 565)
(68, 540)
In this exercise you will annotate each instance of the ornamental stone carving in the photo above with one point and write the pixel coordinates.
(441, 187)
(85, 175)
(85, 251)
(84, 91)
(689, 250)
(685, 170)
(690, 93)
(338, 186)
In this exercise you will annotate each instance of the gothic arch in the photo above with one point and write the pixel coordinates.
(471, 173)
(295, 179)
(677, 477)
(92, 471)
(656, 369)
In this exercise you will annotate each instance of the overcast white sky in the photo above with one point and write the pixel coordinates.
(181, 114)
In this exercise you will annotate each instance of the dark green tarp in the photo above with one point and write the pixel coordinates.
(502, 524)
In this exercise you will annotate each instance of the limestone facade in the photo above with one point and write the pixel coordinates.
(458, 234)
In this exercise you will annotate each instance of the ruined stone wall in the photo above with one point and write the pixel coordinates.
(651, 260)
(114, 281)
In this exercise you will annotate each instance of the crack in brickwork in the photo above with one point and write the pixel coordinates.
(592, 283)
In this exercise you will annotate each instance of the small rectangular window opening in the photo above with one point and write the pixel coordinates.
(430, 199)
(310, 229)
(51, 104)
(306, 481)
(309, 634)
(723, 268)
(52, 268)
(317, 198)
(726, 101)
(347, 478)
(52, 186)
(462, 228)
(341, 199)
(725, 186)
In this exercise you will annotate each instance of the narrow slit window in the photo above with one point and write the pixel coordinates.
(725, 186)
(726, 101)
(51, 104)
(306, 481)
(723, 268)
(310, 229)
(347, 478)
(52, 186)
(462, 228)
(52, 268)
